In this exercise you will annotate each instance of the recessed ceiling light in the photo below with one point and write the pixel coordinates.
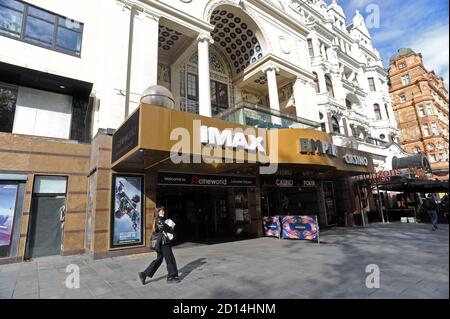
(62, 87)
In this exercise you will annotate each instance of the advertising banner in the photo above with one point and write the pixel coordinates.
(127, 211)
(300, 227)
(272, 227)
(8, 195)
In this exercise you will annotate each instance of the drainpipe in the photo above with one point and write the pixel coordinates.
(129, 60)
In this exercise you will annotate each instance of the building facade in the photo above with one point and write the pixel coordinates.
(70, 77)
(421, 107)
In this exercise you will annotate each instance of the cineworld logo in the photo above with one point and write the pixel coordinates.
(213, 136)
(311, 146)
(356, 160)
(195, 180)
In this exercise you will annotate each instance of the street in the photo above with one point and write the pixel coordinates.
(413, 262)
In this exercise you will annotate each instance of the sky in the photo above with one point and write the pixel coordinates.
(418, 24)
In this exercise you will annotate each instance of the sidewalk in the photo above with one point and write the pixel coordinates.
(413, 262)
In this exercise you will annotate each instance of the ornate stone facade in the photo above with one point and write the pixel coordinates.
(421, 108)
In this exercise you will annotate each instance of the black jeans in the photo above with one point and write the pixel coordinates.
(167, 254)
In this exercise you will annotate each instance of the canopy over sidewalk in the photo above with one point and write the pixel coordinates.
(415, 186)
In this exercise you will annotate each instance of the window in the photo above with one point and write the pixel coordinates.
(426, 130)
(433, 158)
(348, 103)
(8, 99)
(310, 48)
(323, 127)
(417, 150)
(405, 79)
(316, 82)
(402, 98)
(442, 157)
(435, 129)
(372, 84)
(335, 124)
(421, 111)
(11, 16)
(382, 136)
(387, 111)
(36, 26)
(219, 97)
(402, 66)
(42, 113)
(430, 109)
(376, 108)
(192, 93)
(329, 85)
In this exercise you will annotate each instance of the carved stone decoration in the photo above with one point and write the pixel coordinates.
(284, 45)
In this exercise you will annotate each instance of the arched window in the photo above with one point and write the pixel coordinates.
(329, 85)
(316, 82)
(376, 108)
(335, 124)
(348, 103)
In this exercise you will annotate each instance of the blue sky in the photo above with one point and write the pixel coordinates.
(419, 24)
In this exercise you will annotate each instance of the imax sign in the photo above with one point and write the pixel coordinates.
(230, 139)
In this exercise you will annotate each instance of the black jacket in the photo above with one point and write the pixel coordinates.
(161, 227)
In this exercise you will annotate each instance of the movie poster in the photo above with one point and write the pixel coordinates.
(272, 227)
(127, 211)
(8, 195)
(300, 227)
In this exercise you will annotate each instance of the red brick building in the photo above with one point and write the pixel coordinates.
(420, 102)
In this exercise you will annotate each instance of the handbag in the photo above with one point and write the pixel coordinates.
(156, 241)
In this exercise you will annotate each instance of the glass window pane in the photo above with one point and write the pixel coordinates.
(39, 32)
(50, 185)
(13, 4)
(8, 99)
(70, 24)
(41, 14)
(10, 22)
(68, 40)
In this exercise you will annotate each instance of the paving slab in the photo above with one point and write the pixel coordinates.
(412, 261)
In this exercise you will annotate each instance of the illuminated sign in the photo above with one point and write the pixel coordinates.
(234, 140)
(356, 160)
(312, 146)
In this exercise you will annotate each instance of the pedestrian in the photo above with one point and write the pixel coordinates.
(165, 228)
(431, 207)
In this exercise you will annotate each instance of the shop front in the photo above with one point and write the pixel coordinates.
(218, 179)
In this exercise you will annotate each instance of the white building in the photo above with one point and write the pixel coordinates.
(70, 69)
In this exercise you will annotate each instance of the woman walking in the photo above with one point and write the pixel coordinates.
(165, 228)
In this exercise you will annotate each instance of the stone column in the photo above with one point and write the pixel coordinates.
(204, 82)
(144, 56)
(271, 73)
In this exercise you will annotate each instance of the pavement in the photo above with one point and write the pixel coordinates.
(412, 260)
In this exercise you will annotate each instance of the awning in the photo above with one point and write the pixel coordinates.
(415, 186)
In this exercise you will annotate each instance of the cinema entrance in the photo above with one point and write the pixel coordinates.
(207, 209)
